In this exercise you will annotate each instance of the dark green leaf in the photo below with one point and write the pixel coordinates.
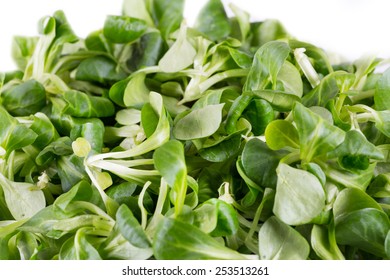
(123, 29)
(213, 21)
(24, 99)
(82, 105)
(99, 69)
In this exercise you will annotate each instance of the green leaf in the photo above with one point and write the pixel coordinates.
(299, 196)
(259, 113)
(260, 163)
(147, 51)
(180, 55)
(203, 122)
(79, 248)
(22, 50)
(170, 162)
(387, 245)
(227, 219)
(45, 130)
(267, 62)
(355, 151)
(13, 135)
(130, 228)
(136, 94)
(316, 135)
(24, 99)
(281, 101)
(123, 29)
(137, 9)
(169, 15)
(280, 134)
(100, 69)
(176, 240)
(80, 104)
(278, 241)
(360, 221)
(223, 148)
(291, 79)
(23, 199)
(321, 94)
(213, 21)
(323, 242)
(381, 96)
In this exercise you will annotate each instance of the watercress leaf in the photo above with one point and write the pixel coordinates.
(176, 240)
(267, 62)
(316, 135)
(123, 29)
(281, 133)
(130, 228)
(299, 196)
(278, 241)
(203, 122)
(23, 199)
(24, 99)
(180, 55)
(213, 21)
(381, 96)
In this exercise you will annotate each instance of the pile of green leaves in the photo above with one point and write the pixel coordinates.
(151, 139)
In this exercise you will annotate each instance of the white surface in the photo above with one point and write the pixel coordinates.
(350, 28)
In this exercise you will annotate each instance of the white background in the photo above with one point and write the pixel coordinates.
(349, 28)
